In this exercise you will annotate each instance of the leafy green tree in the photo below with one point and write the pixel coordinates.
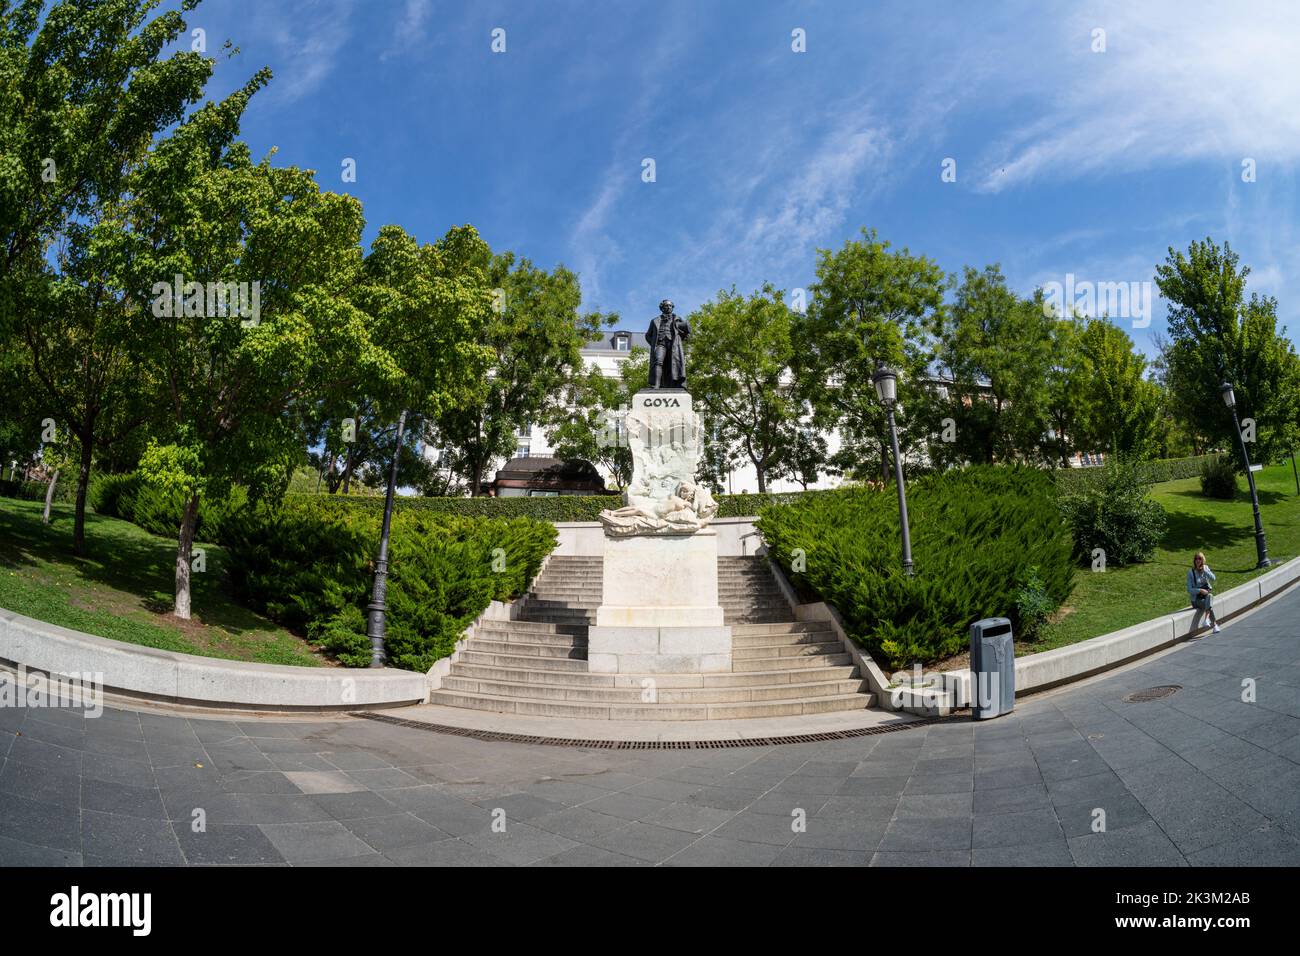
(78, 369)
(996, 350)
(807, 459)
(425, 303)
(742, 355)
(1064, 392)
(1175, 436)
(84, 90)
(1122, 406)
(534, 334)
(591, 427)
(870, 304)
(238, 383)
(1217, 335)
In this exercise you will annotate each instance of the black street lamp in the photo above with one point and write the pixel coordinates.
(1261, 546)
(886, 382)
(377, 607)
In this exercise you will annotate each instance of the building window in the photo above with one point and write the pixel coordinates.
(521, 450)
(622, 342)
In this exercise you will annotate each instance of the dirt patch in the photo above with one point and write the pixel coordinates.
(1060, 614)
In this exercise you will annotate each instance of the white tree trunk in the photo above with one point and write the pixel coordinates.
(49, 496)
(184, 550)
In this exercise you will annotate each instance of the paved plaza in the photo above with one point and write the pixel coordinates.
(1200, 777)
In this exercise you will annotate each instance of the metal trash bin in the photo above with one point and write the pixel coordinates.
(993, 668)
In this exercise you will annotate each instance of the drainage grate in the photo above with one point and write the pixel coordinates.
(655, 744)
(1153, 693)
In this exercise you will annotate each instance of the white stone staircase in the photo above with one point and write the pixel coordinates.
(537, 665)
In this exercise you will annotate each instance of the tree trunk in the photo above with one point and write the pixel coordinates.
(83, 484)
(475, 479)
(49, 496)
(347, 472)
(184, 550)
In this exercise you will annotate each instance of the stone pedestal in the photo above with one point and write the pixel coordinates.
(659, 612)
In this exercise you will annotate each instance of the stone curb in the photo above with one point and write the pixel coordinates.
(154, 674)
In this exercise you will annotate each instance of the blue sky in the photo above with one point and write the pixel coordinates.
(1067, 160)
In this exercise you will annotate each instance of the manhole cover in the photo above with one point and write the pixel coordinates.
(1153, 693)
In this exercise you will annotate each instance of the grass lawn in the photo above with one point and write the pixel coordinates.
(1225, 530)
(123, 589)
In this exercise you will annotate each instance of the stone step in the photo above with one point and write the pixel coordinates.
(780, 627)
(522, 626)
(802, 674)
(560, 615)
(510, 632)
(529, 674)
(525, 662)
(540, 602)
(785, 650)
(566, 595)
(637, 695)
(731, 619)
(524, 649)
(742, 635)
(721, 711)
(733, 604)
(783, 640)
(567, 620)
(781, 663)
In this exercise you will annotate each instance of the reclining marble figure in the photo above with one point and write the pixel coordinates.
(685, 511)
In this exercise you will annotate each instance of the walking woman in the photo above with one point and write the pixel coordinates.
(1200, 588)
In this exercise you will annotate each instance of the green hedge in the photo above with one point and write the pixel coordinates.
(1151, 472)
(130, 498)
(980, 535)
(558, 508)
(308, 564)
(65, 492)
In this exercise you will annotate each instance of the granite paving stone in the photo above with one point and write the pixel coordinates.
(1200, 778)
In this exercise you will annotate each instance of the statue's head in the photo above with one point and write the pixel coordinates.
(666, 307)
(686, 491)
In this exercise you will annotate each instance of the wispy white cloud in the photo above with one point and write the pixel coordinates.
(307, 37)
(409, 31)
(1178, 81)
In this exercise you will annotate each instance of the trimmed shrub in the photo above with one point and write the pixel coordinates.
(65, 491)
(976, 533)
(1219, 478)
(1115, 513)
(1151, 472)
(309, 566)
(557, 508)
(132, 499)
(301, 565)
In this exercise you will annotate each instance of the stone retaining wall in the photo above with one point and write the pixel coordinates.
(187, 678)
